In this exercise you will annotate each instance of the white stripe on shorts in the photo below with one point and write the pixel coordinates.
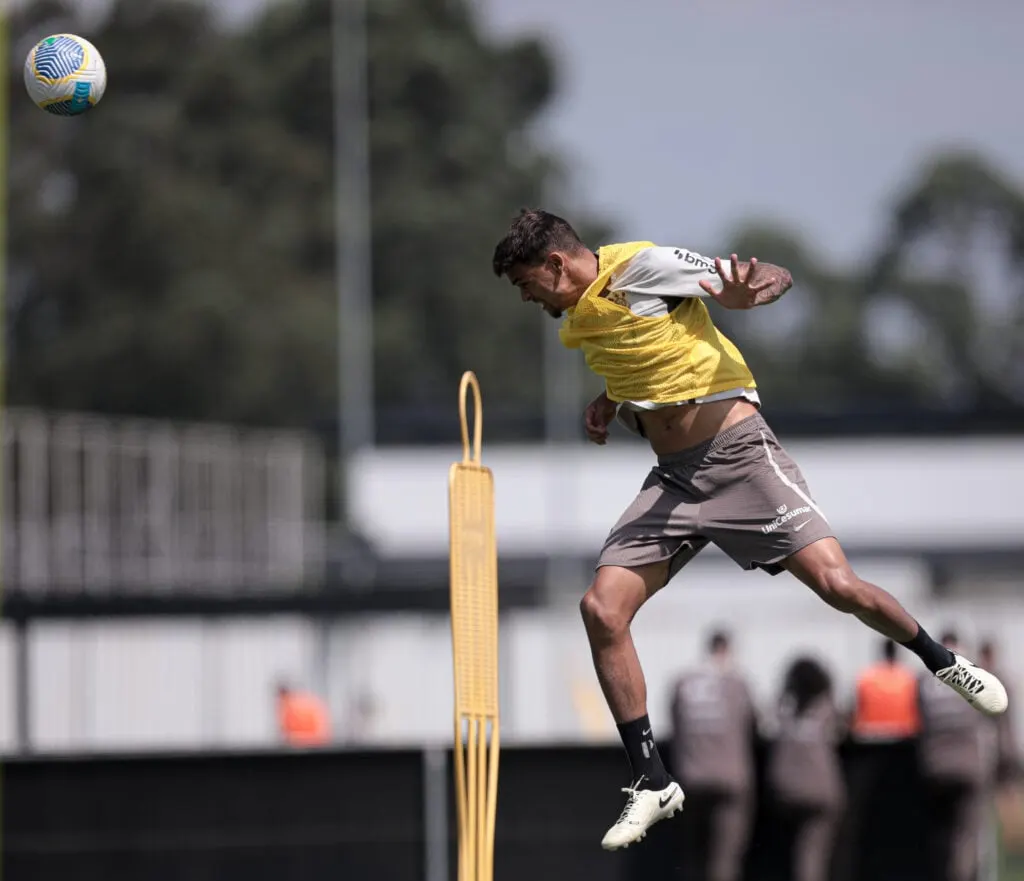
(775, 465)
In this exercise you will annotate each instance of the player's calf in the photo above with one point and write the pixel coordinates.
(823, 567)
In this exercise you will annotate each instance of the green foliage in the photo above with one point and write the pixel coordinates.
(971, 213)
(172, 252)
(183, 261)
(899, 329)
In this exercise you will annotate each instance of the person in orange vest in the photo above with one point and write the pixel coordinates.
(885, 710)
(886, 705)
(302, 717)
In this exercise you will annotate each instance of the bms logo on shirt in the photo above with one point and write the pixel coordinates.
(694, 259)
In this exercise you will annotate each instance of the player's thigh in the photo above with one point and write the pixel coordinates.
(760, 510)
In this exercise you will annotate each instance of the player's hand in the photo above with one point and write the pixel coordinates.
(740, 287)
(598, 416)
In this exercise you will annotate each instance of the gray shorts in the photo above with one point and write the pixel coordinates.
(739, 490)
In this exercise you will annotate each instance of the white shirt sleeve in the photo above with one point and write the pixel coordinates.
(666, 272)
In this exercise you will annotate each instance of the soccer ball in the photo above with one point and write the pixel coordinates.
(65, 75)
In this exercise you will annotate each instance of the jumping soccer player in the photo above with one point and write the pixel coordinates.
(638, 313)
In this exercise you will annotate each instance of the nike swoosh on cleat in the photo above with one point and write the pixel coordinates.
(665, 799)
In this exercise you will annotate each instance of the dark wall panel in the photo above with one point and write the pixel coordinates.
(358, 816)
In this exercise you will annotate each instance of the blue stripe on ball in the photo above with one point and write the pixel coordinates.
(80, 100)
(58, 57)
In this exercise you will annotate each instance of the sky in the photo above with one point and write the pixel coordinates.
(689, 116)
(684, 117)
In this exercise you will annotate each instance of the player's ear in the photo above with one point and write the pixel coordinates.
(555, 261)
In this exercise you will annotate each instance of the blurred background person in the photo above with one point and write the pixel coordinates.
(957, 751)
(804, 775)
(301, 717)
(884, 712)
(714, 727)
(1007, 766)
(363, 712)
(1009, 787)
(885, 703)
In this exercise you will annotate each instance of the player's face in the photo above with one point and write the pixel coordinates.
(547, 285)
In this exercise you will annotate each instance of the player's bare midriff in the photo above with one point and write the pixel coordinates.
(673, 429)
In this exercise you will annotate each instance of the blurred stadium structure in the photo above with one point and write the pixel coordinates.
(108, 517)
(104, 506)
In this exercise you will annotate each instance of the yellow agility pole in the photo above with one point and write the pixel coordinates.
(474, 606)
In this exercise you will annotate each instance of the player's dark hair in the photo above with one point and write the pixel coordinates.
(718, 642)
(806, 680)
(533, 235)
(889, 650)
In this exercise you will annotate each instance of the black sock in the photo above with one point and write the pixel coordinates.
(643, 754)
(935, 655)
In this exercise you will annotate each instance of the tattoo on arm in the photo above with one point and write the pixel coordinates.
(781, 281)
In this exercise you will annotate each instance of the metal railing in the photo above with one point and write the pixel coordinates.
(95, 504)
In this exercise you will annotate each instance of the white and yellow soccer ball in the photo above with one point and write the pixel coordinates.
(65, 75)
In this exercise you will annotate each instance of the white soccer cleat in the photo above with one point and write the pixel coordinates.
(978, 687)
(644, 808)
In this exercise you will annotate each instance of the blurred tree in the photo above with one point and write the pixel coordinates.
(144, 280)
(965, 219)
(173, 251)
(933, 320)
(452, 160)
(839, 341)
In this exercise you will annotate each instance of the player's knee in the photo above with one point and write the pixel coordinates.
(601, 614)
(843, 590)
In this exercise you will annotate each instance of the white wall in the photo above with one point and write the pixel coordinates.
(159, 685)
(877, 493)
(140, 685)
(7, 718)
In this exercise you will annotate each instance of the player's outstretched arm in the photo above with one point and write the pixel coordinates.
(748, 284)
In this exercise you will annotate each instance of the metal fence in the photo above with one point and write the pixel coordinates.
(99, 505)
